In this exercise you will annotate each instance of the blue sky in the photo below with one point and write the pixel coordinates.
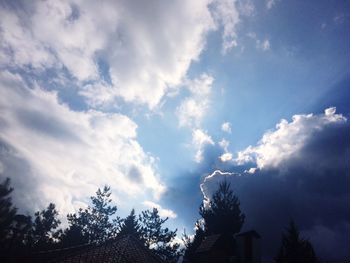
(153, 97)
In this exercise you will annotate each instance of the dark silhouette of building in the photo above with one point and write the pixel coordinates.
(220, 248)
(124, 249)
(249, 247)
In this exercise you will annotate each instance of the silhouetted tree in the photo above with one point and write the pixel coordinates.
(74, 235)
(130, 226)
(45, 228)
(222, 215)
(21, 231)
(7, 210)
(93, 224)
(294, 248)
(158, 238)
(192, 243)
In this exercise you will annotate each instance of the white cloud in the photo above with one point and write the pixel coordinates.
(225, 157)
(162, 211)
(148, 46)
(226, 127)
(226, 14)
(200, 139)
(59, 155)
(191, 112)
(280, 144)
(330, 111)
(98, 94)
(224, 144)
(270, 3)
(263, 45)
(192, 109)
(18, 47)
(246, 8)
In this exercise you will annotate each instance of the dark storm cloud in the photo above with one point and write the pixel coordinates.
(312, 186)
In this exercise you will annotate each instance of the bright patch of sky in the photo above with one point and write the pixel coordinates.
(131, 93)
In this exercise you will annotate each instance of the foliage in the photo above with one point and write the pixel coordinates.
(98, 223)
(294, 248)
(93, 224)
(45, 232)
(160, 239)
(22, 231)
(223, 214)
(74, 234)
(192, 243)
(130, 226)
(7, 211)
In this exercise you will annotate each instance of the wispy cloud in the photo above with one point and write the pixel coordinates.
(226, 127)
(200, 139)
(270, 3)
(193, 108)
(227, 16)
(263, 45)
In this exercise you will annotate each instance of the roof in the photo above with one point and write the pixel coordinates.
(125, 249)
(212, 241)
(208, 243)
(249, 233)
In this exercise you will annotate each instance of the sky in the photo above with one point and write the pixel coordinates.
(161, 100)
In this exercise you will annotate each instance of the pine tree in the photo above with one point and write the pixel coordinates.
(223, 214)
(158, 238)
(15, 229)
(130, 226)
(192, 243)
(7, 211)
(45, 228)
(22, 231)
(93, 224)
(294, 248)
(75, 234)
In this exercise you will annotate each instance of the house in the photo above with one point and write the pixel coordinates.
(249, 247)
(124, 249)
(242, 248)
(216, 248)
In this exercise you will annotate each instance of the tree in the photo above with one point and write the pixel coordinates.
(45, 232)
(158, 238)
(74, 235)
(7, 211)
(15, 229)
(223, 214)
(93, 224)
(192, 243)
(294, 248)
(21, 232)
(130, 226)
